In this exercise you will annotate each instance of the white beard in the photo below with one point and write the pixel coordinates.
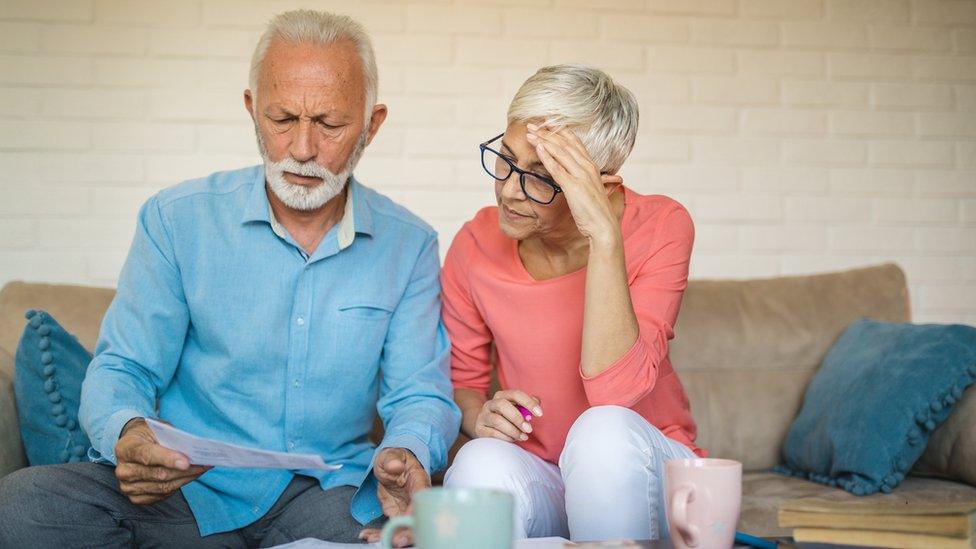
(307, 197)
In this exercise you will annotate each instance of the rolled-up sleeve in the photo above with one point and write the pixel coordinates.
(656, 290)
(141, 337)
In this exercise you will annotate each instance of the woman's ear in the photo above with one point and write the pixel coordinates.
(611, 182)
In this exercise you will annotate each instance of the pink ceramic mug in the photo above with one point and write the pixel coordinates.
(703, 500)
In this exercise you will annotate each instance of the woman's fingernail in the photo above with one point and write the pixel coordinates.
(523, 436)
(526, 427)
(537, 411)
(182, 464)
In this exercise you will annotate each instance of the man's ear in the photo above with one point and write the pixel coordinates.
(249, 104)
(376, 120)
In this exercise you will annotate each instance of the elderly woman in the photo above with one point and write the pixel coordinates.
(576, 281)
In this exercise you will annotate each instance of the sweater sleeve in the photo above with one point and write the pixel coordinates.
(655, 291)
(470, 337)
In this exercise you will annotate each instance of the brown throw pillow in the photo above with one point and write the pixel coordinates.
(951, 451)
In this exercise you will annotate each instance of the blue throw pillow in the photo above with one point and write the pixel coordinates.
(50, 367)
(881, 390)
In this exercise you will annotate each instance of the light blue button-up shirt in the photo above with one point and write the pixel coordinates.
(244, 338)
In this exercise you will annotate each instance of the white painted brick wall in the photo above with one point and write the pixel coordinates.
(803, 135)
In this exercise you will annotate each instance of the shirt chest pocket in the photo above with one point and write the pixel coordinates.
(360, 332)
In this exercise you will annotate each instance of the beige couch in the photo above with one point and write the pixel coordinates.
(745, 351)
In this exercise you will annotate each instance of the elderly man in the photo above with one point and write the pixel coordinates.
(277, 307)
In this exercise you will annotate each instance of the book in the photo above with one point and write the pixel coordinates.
(954, 525)
(875, 538)
(920, 506)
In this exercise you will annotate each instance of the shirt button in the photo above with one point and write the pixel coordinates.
(297, 383)
(255, 509)
(300, 320)
(291, 444)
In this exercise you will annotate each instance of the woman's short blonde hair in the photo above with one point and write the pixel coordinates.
(601, 112)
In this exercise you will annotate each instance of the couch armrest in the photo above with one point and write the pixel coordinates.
(11, 448)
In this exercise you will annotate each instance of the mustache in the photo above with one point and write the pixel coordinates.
(307, 169)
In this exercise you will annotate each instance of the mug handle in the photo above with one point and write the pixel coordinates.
(684, 495)
(390, 528)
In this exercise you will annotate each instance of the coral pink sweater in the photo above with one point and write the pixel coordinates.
(536, 325)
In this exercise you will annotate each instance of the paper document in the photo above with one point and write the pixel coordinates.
(312, 543)
(204, 451)
(532, 543)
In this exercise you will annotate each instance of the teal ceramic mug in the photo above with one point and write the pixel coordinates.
(445, 518)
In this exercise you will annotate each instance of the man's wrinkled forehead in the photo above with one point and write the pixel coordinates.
(333, 68)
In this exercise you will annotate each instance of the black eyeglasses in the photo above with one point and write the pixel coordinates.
(536, 187)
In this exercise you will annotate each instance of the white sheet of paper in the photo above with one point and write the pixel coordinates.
(313, 543)
(541, 543)
(204, 451)
(531, 543)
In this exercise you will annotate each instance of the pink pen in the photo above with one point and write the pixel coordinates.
(525, 412)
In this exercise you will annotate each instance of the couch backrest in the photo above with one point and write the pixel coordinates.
(12, 455)
(746, 349)
(78, 308)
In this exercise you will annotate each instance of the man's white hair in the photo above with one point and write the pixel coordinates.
(322, 28)
(586, 100)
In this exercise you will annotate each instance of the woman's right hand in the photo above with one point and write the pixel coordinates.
(500, 417)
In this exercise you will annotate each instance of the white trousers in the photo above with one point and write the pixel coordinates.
(609, 483)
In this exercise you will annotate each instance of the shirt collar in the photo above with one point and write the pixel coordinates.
(356, 215)
(361, 206)
(256, 208)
